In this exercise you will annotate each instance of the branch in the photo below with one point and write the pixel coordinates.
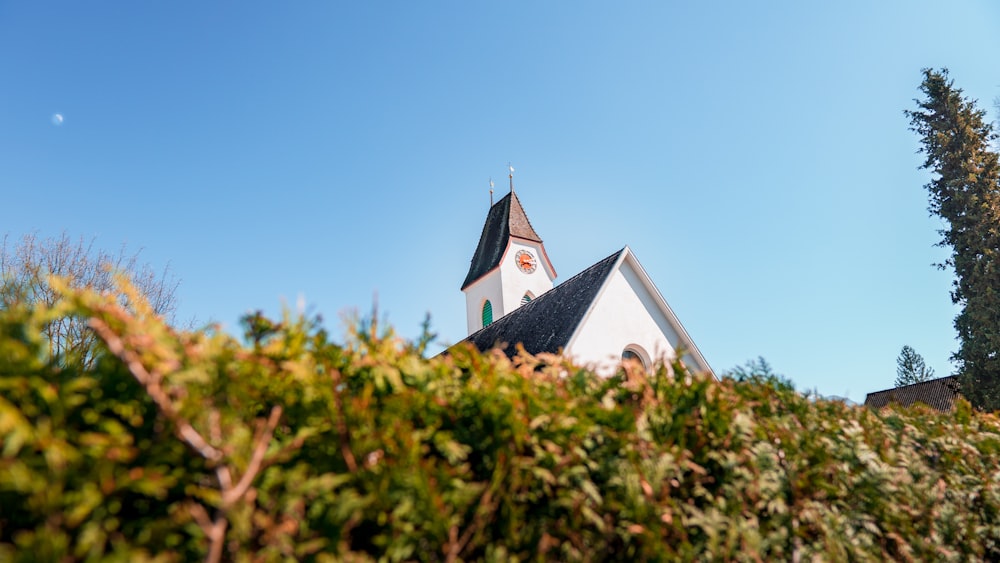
(152, 384)
(457, 545)
(200, 516)
(342, 430)
(215, 531)
(261, 441)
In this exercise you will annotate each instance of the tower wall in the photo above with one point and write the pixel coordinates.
(486, 287)
(506, 285)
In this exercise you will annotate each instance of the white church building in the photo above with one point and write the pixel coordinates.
(609, 312)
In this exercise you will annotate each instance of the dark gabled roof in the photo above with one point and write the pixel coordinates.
(938, 393)
(546, 323)
(505, 219)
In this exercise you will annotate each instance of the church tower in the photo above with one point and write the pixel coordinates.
(510, 266)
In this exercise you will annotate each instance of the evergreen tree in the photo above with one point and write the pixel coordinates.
(910, 368)
(760, 371)
(965, 192)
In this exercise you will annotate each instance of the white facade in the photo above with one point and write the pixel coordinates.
(630, 314)
(506, 285)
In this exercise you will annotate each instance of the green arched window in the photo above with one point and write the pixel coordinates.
(526, 299)
(487, 313)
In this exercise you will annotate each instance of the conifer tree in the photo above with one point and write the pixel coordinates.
(910, 368)
(965, 192)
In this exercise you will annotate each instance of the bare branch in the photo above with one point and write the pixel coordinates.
(200, 516)
(27, 264)
(152, 384)
(342, 430)
(261, 440)
(456, 547)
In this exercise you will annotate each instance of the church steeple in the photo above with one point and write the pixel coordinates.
(506, 219)
(510, 266)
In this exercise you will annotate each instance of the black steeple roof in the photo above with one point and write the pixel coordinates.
(546, 323)
(506, 219)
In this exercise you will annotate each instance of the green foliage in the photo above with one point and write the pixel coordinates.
(965, 192)
(759, 371)
(910, 368)
(288, 446)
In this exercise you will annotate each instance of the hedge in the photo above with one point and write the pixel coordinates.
(286, 445)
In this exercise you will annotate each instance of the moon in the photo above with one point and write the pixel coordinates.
(57, 119)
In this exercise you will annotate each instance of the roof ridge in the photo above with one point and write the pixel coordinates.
(527, 308)
(614, 255)
(492, 241)
(505, 219)
(516, 213)
(938, 393)
(935, 380)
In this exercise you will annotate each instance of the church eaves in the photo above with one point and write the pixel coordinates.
(546, 323)
(505, 219)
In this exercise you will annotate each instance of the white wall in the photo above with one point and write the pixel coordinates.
(624, 314)
(486, 287)
(515, 282)
(507, 284)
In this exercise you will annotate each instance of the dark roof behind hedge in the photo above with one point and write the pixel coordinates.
(938, 393)
(505, 219)
(546, 323)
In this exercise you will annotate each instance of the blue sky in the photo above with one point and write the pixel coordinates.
(755, 156)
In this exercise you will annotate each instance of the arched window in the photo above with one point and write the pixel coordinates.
(487, 313)
(527, 298)
(632, 355)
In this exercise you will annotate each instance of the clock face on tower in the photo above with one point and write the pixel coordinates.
(525, 261)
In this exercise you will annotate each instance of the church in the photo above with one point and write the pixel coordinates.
(607, 313)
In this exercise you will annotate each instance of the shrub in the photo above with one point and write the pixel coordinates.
(286, 445)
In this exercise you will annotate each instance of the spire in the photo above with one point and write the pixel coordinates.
(505, 219)
(517, 220)
(511, 176)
